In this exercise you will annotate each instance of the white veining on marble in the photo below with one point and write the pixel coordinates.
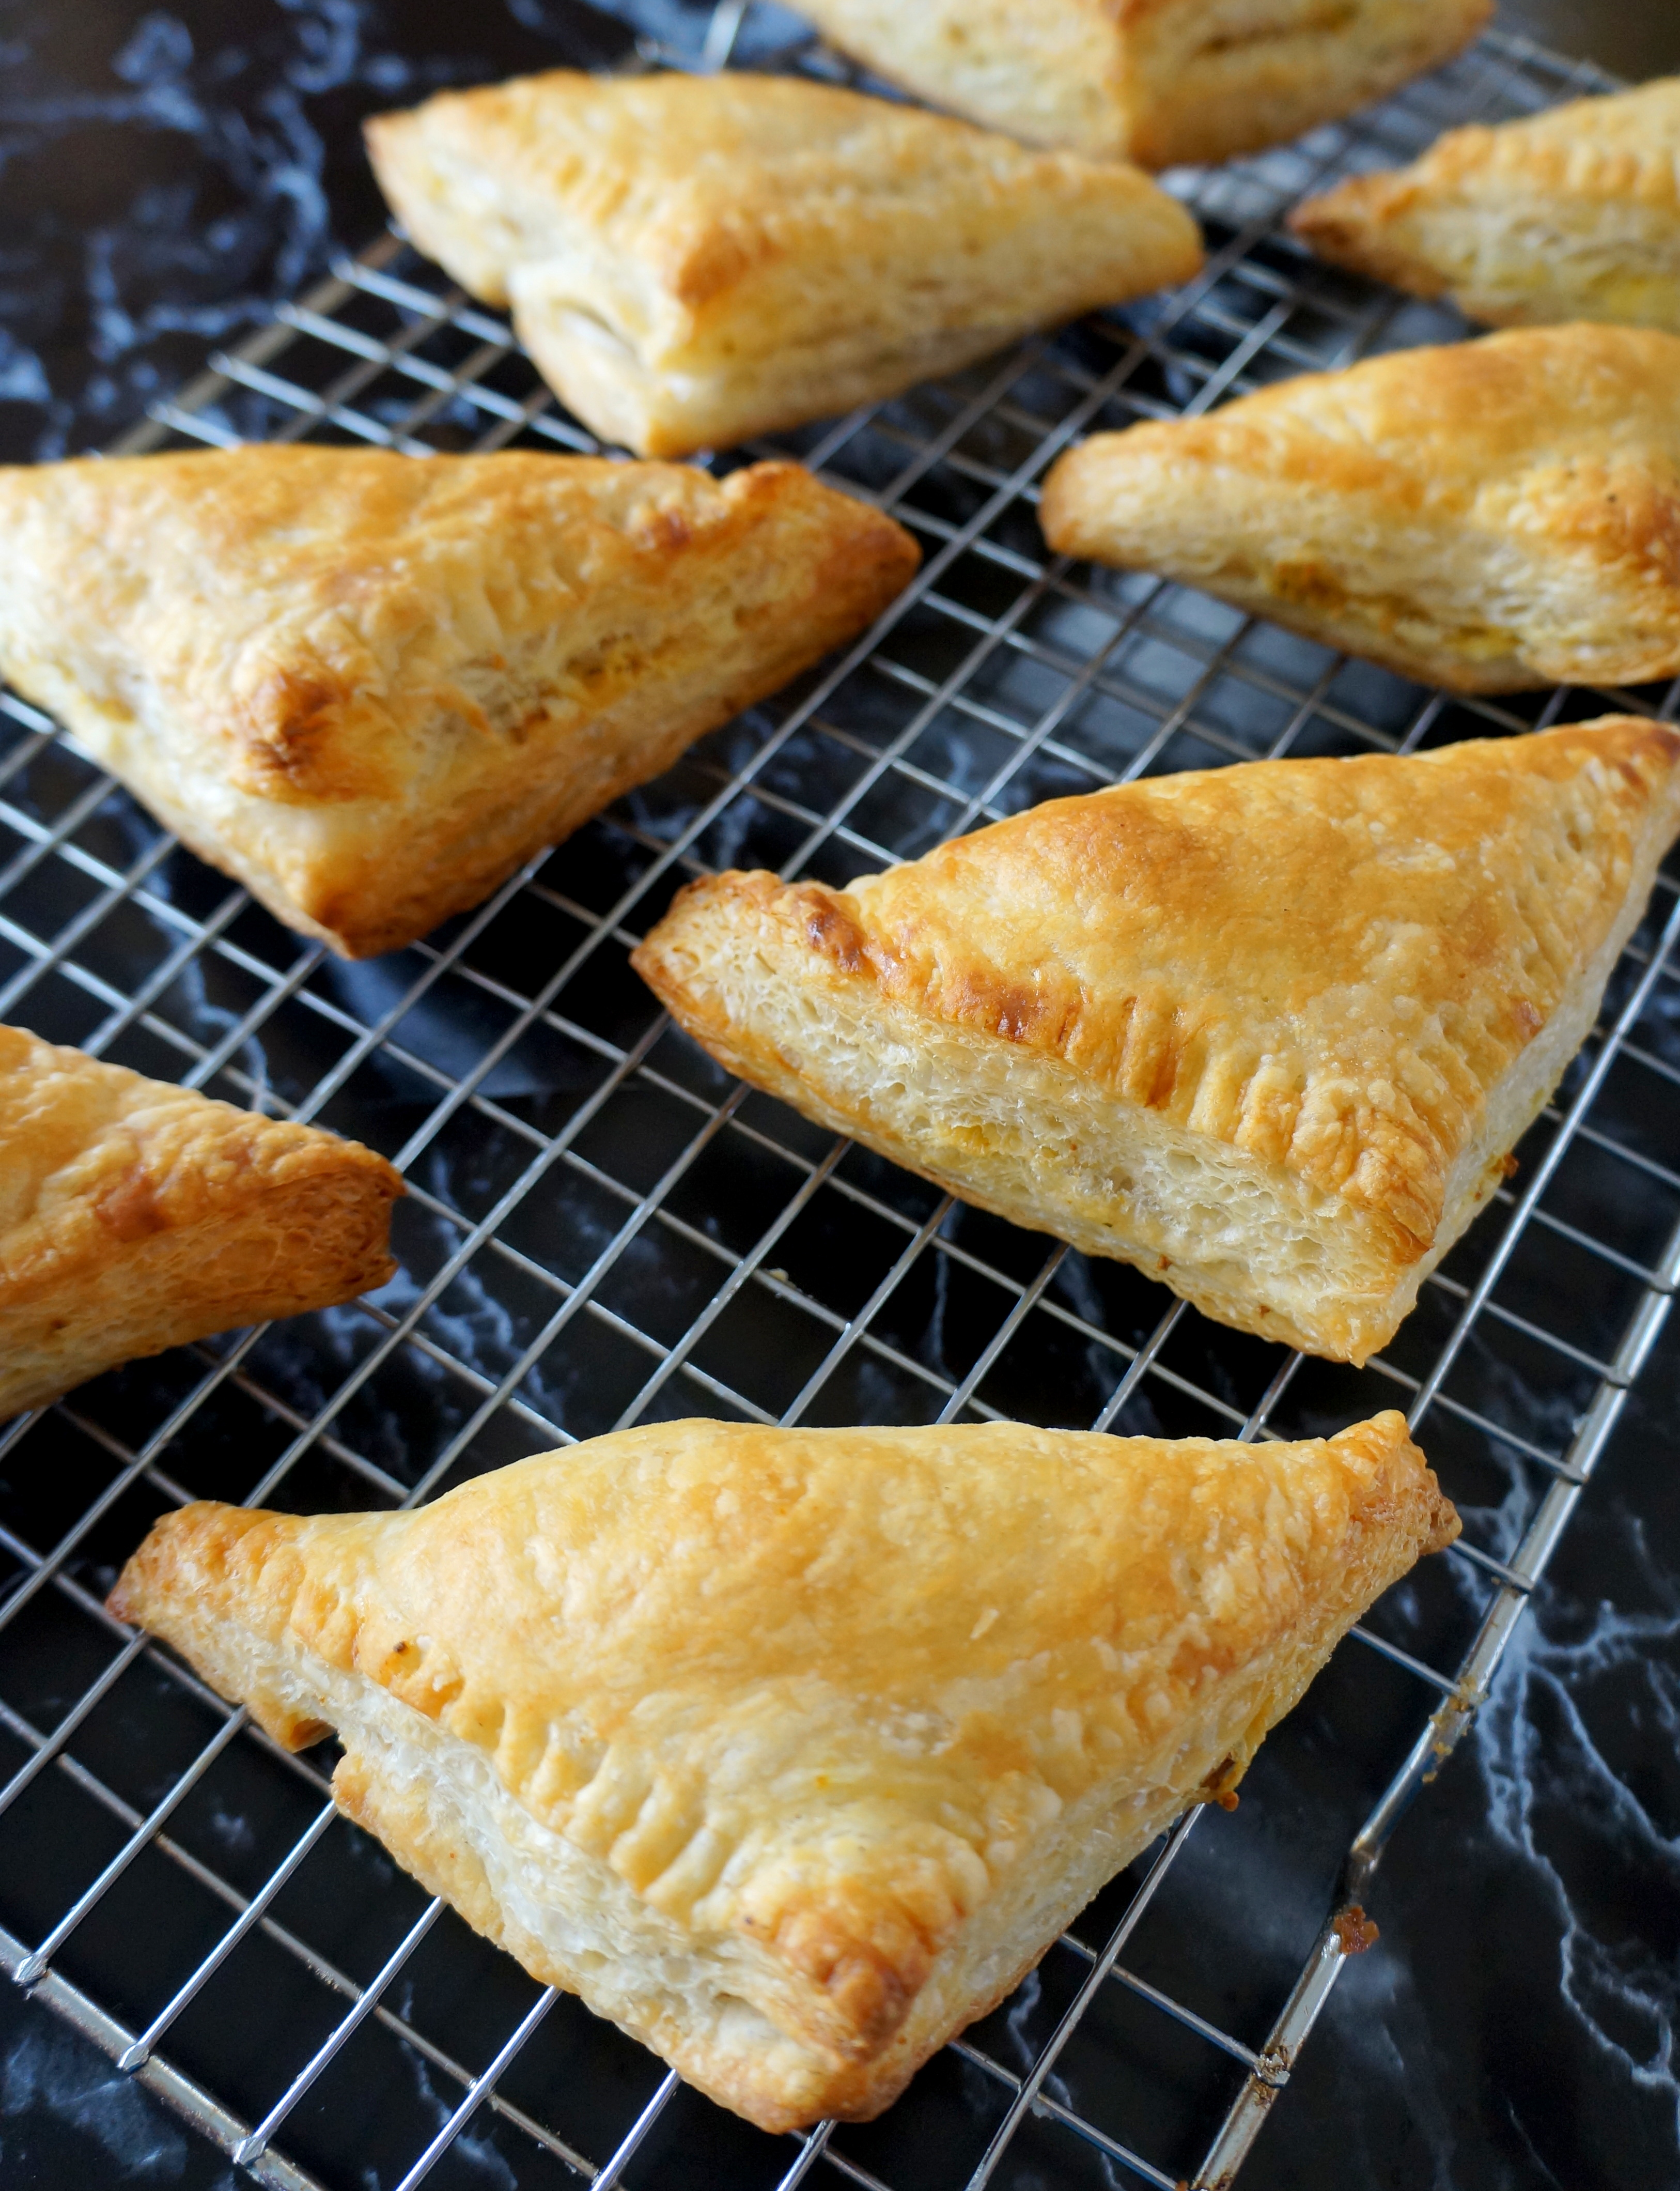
(170, 265)
(49, 2069)
(1556, 1800)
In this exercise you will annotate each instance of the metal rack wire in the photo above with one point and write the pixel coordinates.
(602, 1229)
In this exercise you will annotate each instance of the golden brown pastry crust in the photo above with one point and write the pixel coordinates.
(372, 686)
(790, 1749)
(1490, 515)
(135, 1216)
(696, 259)
(1156, 81)
(1267, 1031)
(1573, 214)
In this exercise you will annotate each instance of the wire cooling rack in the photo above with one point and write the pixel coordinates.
(602, 1229)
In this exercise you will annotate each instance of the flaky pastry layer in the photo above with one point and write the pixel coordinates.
(372, 686)
(692, 261)
(789, 1750)
(1267, 1031)
(1160, 82)
(135, 1216)
(1490, 515)
(1572, 214)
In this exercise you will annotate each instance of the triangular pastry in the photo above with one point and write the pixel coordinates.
(1155, 80)
(1573, 214)
(1491, 516)
(694, 259)
(792, 1751)
(371, 686)
(1267, 1031)
(135, 1216)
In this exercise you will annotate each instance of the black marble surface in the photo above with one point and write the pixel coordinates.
(166, 174)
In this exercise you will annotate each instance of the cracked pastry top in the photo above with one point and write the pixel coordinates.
(1267, 1031)
(1161, 81)
(371, 686)
(792, 1751)
(1572, 214)
(135, 1216)
(694, 259)
(1492, 515)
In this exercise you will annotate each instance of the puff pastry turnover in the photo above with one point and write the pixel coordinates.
(1267, 1031)
(371, 686)
(1573, 215)
(1154, 81)
(1491, 516)
(135, 1216)
(694, 259)
(792, 1751)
